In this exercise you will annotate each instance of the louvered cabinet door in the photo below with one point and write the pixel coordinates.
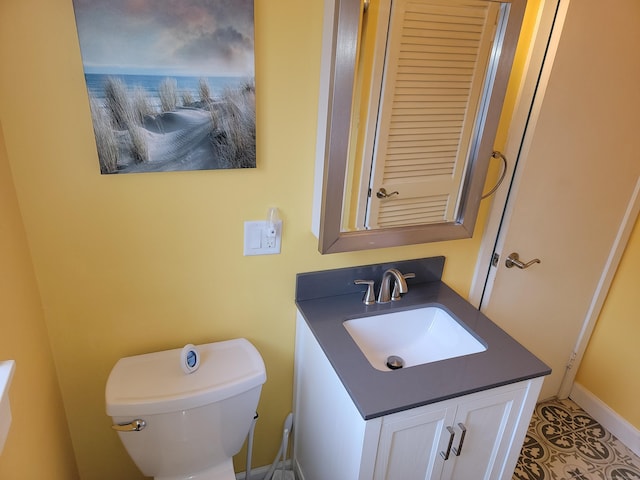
(437, 56)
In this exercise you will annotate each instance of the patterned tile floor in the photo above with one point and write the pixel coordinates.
(565, 443)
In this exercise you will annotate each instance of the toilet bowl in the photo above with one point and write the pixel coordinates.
(186, 426)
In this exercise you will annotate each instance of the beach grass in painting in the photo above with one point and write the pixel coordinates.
(165, 128)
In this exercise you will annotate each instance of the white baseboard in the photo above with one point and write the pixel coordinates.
(258, 473)
(600, 411)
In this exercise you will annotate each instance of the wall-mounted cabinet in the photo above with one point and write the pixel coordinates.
(411, 92)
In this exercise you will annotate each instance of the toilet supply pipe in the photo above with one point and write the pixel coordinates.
(283, 473)
(247, 473)
(282, 453)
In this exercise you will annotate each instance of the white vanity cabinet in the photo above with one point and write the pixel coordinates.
(464, 438)
(332, 441)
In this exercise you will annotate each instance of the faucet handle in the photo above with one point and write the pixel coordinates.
(370, 296)
(396, 292)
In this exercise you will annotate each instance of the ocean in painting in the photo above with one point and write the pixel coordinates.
(150, 83)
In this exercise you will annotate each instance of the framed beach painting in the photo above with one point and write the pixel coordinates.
(171, 83)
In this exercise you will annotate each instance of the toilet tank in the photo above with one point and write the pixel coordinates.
(155, 383)
(193, 421)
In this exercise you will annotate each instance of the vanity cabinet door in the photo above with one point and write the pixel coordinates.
(490, 420)
(413, 444)
(410, 443)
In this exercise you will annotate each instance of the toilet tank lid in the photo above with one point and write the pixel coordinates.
(155, 382)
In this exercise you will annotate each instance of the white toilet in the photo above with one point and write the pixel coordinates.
(177, 425)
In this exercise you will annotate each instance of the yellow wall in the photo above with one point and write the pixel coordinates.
(38, 445)
(143, 262)
(609, 369)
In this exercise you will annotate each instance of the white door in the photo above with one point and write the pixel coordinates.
(574, 189)
(430, 97)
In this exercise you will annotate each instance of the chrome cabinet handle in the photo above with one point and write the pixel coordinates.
(134, 426)
(382, 193)
(513, 260)
(458, 450)
(452, 434)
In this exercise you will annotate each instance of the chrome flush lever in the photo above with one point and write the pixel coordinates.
(134, 426)
(513, 260)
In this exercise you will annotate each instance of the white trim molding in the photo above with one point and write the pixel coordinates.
(607, 417)
(602, 290)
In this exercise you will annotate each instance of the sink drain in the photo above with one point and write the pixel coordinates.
(394, 362)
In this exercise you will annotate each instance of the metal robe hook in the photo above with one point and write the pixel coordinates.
(499, 155)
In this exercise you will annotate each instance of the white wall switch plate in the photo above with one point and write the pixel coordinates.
(258, 240)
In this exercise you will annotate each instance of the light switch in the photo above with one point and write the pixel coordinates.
(260, 239)
(254, 233)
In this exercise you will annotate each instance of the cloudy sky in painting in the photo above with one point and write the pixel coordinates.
(177, 37)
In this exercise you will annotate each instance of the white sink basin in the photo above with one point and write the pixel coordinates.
(416, 336)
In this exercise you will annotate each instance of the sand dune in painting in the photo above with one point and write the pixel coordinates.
(178, 140)
(134, 134)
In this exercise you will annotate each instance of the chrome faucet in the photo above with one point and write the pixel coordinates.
(386, 295)
(400, 285)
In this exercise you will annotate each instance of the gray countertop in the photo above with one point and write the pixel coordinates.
(376, 393)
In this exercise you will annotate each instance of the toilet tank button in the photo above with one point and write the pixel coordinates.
(189, 358)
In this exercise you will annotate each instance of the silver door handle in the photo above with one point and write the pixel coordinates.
(134, 426)
(382, 193)
(513, 260)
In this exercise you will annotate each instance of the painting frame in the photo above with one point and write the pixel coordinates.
(171, 83)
